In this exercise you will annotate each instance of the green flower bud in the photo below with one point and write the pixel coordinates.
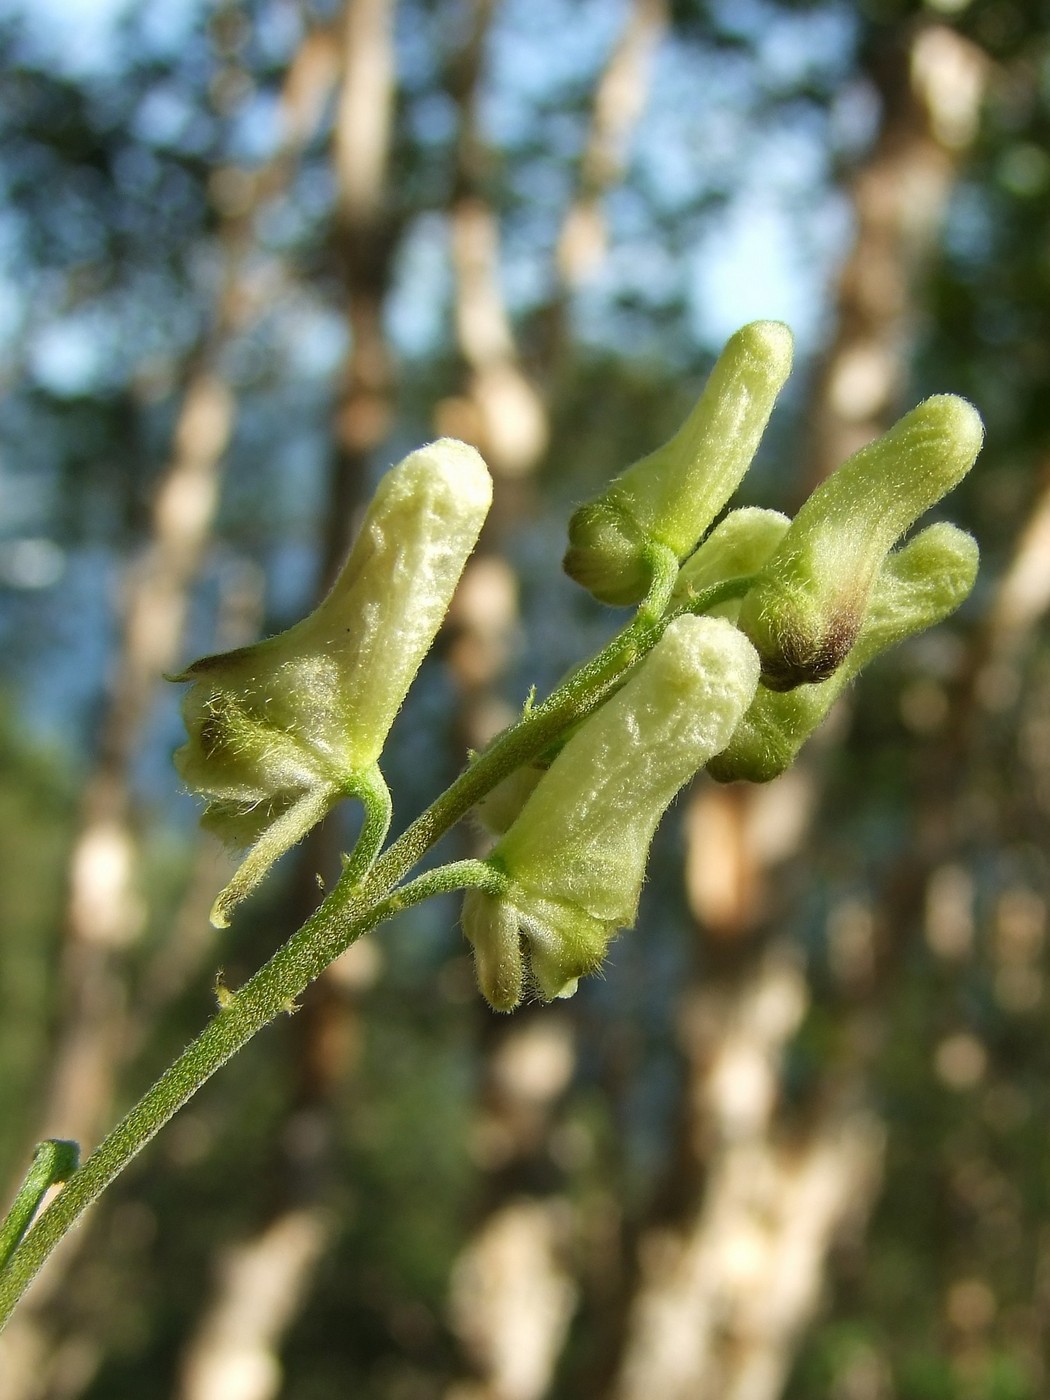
(735, 548)
(574, 859)
(670, 497)
(807, 607)
(279, 731)
(916, 588)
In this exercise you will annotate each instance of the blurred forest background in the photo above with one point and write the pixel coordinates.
(794, 1142)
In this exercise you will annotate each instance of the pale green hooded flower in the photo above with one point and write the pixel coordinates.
(916, 588)
(280, 731)
(735, 548)
(574, 859)
(668, 500)
(809, 602)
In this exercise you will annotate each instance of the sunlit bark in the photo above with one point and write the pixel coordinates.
(930, 82)
(261, 1283)
(726, 1285)
(619, 100)
(510, 1291)
(1019, 603)
(500, 411)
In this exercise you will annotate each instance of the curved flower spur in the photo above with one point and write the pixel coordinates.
(282, 730)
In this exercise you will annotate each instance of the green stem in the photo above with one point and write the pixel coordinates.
(714, 594)
(374, 794)
(353, 907)
(273, 989)
(54, 1160)
(663, 568)
(458, 875)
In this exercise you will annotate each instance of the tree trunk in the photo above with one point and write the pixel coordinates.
(260, 1283)
(512, 1289)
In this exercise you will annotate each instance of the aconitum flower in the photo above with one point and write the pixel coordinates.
(669, 498)
(809, 602)
(574, 858)
(280, 731)
(917, 587)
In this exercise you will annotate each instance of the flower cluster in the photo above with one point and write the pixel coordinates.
(748, 631)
